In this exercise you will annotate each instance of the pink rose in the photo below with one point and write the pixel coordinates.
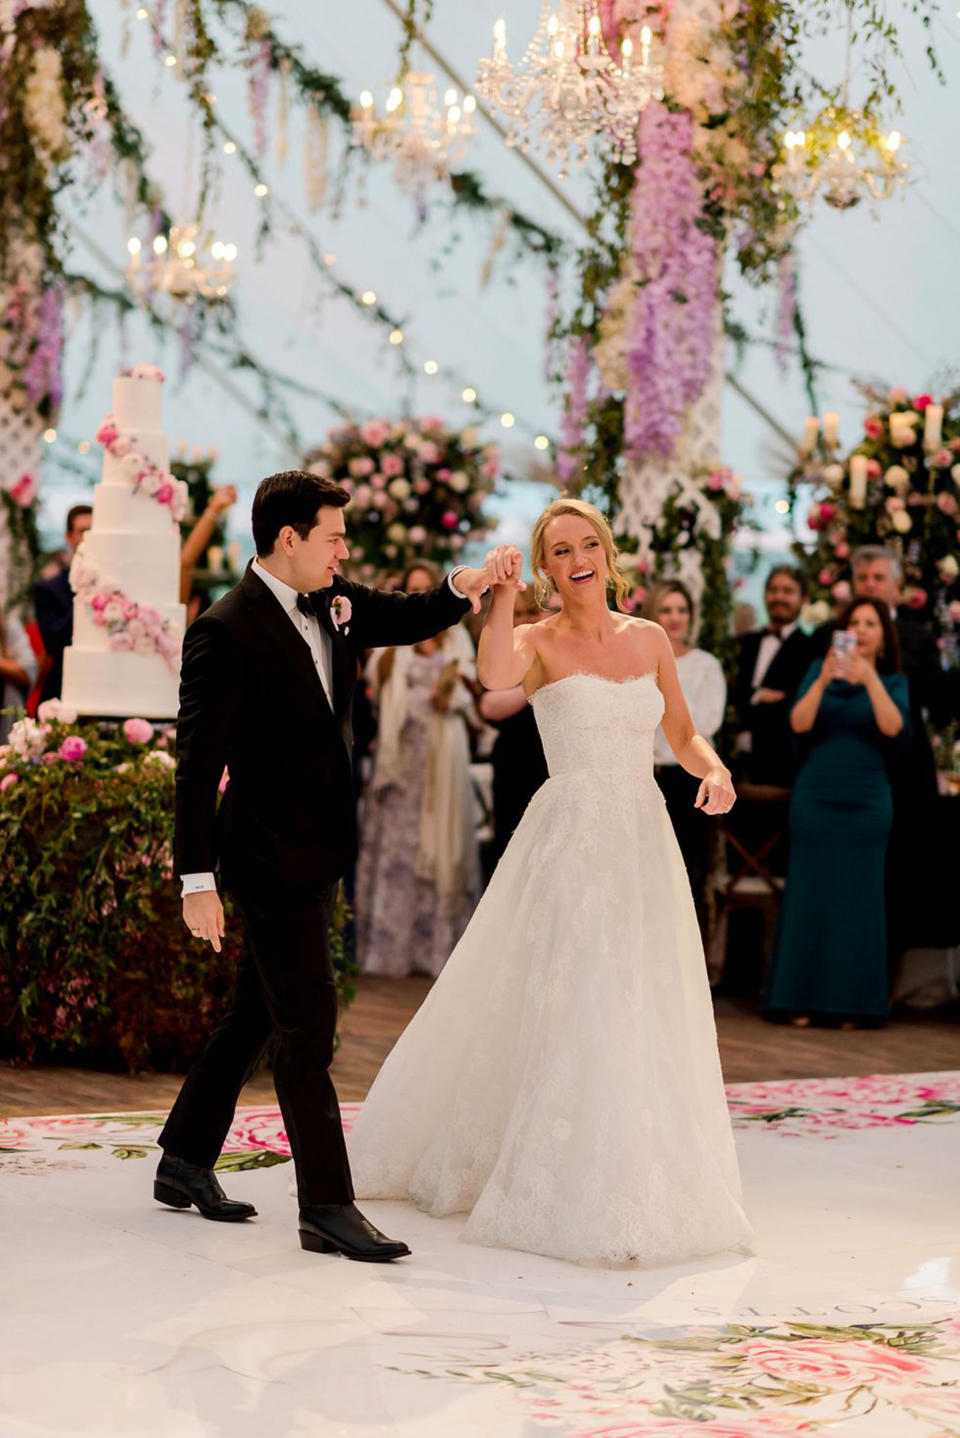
(99, 619)
(920, 401)
(874, 469)
(375, 432)
(715, 481)
(817, 1361)
(121, 447)
(430, 424)
(947, 504)
(8, 781)
(391, 465)
(49, 758)
(150, 617)
(130, 610)
(872, 427)
(828, 511)
(378, 481)
(941, 459)
(99, 602)
(841, 591)
(362, 495)
(449, 520)
(842, 549)
(164, 492)
(418, 534)
(421, 486)
(107, 433)
(73, 747)
(121, 642)
(915, 597)
(361, 466)
(430, 453)
(827, 574)
(138, 731)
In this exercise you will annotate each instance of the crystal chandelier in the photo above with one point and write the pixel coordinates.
(568, 91)
(184, 266)
(423, 140)
(843, 155)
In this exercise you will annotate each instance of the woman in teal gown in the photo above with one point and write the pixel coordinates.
(830, 960)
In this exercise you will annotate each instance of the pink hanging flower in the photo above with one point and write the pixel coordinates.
(73, 748)
(121, 447)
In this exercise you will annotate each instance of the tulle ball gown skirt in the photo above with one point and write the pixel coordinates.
(561, 1083)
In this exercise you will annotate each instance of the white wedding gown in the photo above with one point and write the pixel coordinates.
(561, 1082)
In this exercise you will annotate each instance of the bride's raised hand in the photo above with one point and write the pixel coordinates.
(504, 566)
(716, 794)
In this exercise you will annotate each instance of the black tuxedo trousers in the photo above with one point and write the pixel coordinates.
(284, 1004)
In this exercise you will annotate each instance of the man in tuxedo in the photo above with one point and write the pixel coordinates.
(53, 604)
(266, 687)
(771, 663)
(878, 574)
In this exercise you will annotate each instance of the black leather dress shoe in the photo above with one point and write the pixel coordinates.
(342, 1228)
(179, 1184)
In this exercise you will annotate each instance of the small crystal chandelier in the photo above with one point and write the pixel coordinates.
(183, 266)
(423, 140)
(568, 91)
(843, 155)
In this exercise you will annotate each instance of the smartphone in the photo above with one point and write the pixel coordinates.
(844, 643)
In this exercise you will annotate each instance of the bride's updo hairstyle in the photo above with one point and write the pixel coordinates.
(543, 584)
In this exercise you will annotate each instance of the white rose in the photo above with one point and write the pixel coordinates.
(896, 477)
(902, 522)
(816, 613)
(459, 481)
(162, 758)
(949, 568)
(399, 488)
(833, 474)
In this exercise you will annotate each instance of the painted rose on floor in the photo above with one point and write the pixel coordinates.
(833, 1363)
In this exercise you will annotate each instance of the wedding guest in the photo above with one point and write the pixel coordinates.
(198, 541)
(418, 872)
(830, 961)
(18, 669)
(519, 763)
(670, 604)
(53, 602)
(771, 662)
(878, 575)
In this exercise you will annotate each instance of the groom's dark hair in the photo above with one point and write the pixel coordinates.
(292, 497)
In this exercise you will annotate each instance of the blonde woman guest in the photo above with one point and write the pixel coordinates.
(670, 604)
(418, 873)
(18, 669)
(561, 1083)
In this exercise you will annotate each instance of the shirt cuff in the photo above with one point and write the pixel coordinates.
(197, 884)
(453, 588)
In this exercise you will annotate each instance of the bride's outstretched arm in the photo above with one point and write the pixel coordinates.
(716, 794)
(505, 653)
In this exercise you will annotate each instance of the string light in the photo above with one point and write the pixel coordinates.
(229, 148)
(50, 435)
(430, 367)
(260, 191)
(330, 259)
(541, 442)
(469, 395)
(508, 420)
(782, 507)
(396, 337)
(169, 61)
(143, 14)
(368, 297)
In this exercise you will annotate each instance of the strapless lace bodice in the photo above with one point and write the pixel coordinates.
(588, 723)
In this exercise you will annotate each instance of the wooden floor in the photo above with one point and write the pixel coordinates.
(749, 1048)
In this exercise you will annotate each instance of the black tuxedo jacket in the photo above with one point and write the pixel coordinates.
(772, 758)
(251, 699)
(53, 605)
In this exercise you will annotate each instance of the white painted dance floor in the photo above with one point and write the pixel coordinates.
(124, 1318)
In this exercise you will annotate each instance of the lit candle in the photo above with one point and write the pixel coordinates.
(932, 426)
(831, 430)
(233, 555)
(858, 481)
(811, 428)
(215, 558)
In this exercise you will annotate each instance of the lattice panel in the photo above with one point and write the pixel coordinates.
(21, 447)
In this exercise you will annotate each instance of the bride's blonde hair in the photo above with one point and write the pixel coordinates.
(580, 509)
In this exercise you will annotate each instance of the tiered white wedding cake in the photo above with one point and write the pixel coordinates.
(128, 624)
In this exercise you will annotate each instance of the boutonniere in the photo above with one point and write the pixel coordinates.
(340, 612)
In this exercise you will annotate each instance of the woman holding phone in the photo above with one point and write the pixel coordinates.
(830, 960)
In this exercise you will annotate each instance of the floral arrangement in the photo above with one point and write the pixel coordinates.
(900, 487)
(136, 628)
(94, 957)
(417, 489)
(21, 546)
(142, 473)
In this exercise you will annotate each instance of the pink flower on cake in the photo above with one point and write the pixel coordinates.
(341, 609)
(113, 612)
(120, 641)
(375, 432)
(130, 610)
(73, 747)
(107, 433)
(147, 371)
(164, 492)
(149, 481)
(138, 731)
(150, 616)
(121, 447)
(8, 781)
(99, 602)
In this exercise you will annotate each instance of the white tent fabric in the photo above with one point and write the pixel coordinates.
(880, 297)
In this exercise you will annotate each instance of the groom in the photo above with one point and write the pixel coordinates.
(265, 691)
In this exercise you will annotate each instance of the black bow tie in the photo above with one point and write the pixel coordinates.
(772, 629)
(306, 605)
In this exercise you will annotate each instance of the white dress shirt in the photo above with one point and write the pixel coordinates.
(311, 630)
(769, 649)
(705, 690)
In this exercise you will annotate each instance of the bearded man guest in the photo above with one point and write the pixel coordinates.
(266, 686)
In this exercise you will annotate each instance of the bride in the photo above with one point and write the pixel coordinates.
(561, 1082)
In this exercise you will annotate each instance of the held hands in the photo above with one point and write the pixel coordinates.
(504, 566)
(716, 794)
(203, 916)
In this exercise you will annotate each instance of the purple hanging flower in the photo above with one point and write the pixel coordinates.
(671, 330)
(42, 375)
(574, 409)
(786, 310)
(258, 88)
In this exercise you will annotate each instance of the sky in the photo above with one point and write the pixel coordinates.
(879, 291)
